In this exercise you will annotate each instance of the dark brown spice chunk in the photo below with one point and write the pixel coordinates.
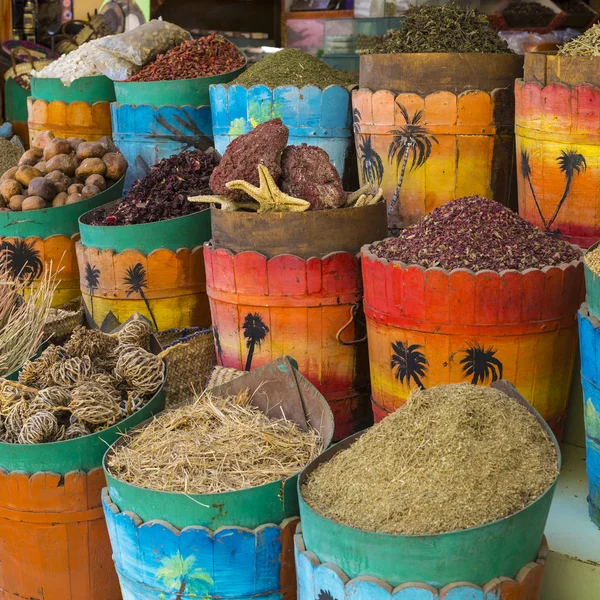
(307, 173)
(263, 146)
(476, 233)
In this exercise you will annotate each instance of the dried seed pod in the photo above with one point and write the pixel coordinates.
(15, 419)
(136, 332)
(95, 405)
(39, 427)
(142, 371)
(55, 396)
(68, 373)
(76, 430)
(89, 342)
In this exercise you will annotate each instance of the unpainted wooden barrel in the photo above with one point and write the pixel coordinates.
(503, 559)
(429, 326)
(433, 127)
(155, 269)
(39, 241)
(589, 341)
(557, 124)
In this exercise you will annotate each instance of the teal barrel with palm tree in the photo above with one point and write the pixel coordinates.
(314, 116)
(237, 544)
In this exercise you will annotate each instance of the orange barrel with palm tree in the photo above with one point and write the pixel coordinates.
(289, 283)
(433, 127)
(430, 326)
(155, 269)
(557, 125)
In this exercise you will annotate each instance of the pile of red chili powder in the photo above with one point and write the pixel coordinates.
(476, 233)
(163, 193)
(204, 57)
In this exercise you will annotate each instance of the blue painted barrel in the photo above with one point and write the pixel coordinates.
(146, 134)
(314, 116)
(589, 345)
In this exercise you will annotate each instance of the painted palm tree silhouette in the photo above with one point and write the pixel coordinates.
(412, 141)
(218, 344)
(255, 331)
(21, 259)
(325, 595)
(178, 574)
(371, 165)
(92, 280)
(409, 363)
(136, 280)
(526, 174)
(570, 163)
(480, 363)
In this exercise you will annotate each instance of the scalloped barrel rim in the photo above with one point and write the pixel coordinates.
(440, 315)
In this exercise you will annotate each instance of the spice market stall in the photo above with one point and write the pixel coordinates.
(434, 115)
(311, 99)
(285, 278)
(68, 404)
(143, 253)
(385, 510)
(210, 510)
(556, 125)
(473, 293)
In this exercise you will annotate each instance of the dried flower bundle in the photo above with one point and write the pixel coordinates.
(213, 445)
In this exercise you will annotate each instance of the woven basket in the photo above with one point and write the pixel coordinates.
(63, 320)
(222, 375)
(190, 356)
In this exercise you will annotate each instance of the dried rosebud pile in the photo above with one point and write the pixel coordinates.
(205, 57)
(476, 233)
(163, 193)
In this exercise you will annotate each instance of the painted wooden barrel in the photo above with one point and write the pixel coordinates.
(156, 119)
(155, 269)
(557, 121)
(429, 326)
(480, 555)
(54, 544)
(236, 545)
(313, 116)
(433, 127)
(292, 286)
(592, 287)
(35, 241)
(589, 340)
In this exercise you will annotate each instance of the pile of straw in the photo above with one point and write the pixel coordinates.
(454, 457)
(23, 316)
(213, 445)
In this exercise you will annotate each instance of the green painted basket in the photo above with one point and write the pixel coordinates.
(269, 503)
(476, 555)
(592, 286)
(85, 89)
(60, 220)
(188, 231)
(180, 92)
(84, 453)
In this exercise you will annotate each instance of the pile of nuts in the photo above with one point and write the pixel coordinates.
(57, 171)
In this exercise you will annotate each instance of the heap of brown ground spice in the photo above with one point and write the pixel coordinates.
(453, 457)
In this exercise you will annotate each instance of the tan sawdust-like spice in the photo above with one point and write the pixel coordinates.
(592, 260)
(213, 445)
(454, 457)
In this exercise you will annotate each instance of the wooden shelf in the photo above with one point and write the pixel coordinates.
(320, 14)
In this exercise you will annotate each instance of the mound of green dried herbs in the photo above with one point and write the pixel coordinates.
(293, 67)
(587, 44)
(448, 28)
(476, 233)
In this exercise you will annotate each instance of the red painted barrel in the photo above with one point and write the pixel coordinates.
(286, 305)
(428, 327)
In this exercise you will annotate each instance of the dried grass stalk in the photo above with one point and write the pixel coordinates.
(454, 457)
(213, 445)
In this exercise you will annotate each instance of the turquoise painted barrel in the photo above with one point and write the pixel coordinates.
(97, 88)
(589, 345)
(592, 286)
(156, 119)
(155, 269)
(234, 545)
(314, 116)
(477, 555)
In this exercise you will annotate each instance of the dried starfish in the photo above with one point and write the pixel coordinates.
(226, 204)
(268, 195)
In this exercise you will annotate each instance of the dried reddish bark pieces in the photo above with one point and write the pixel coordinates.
(307, 173)
(264, 146)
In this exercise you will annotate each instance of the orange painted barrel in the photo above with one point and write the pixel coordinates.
(286, 305)
(54, 543)
(428, 327)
